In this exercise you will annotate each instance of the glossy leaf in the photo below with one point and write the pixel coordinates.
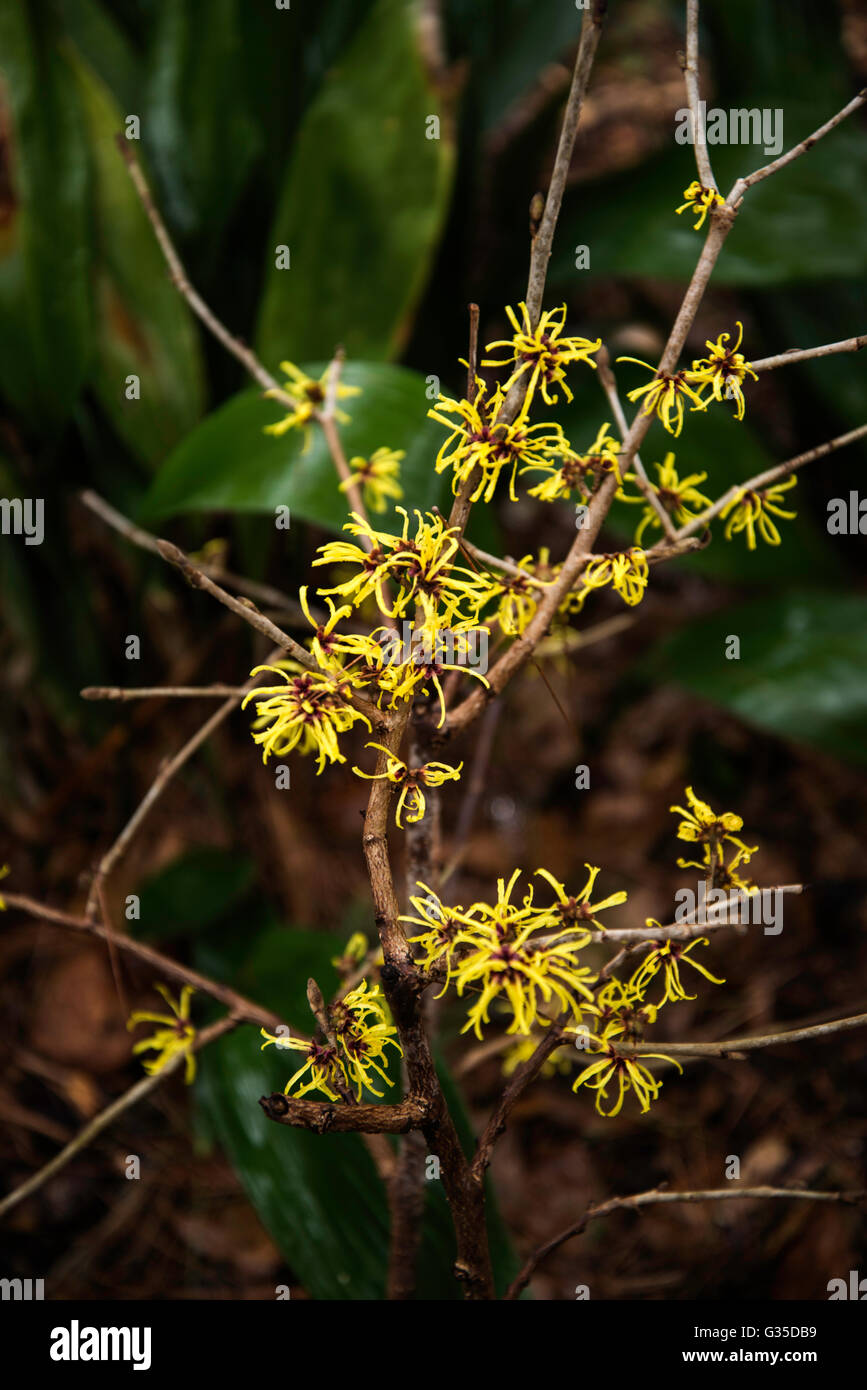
(363, 203)
(802, 671)
(143, 325)
(46, 342)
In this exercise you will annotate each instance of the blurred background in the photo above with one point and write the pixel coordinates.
(306, 128)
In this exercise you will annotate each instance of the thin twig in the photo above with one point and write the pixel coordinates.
(691, 77)
(264, 593)
(785, 359)
(244, 1010)
(658, 1197)
(106, 1117)
(154, 692)
(608, 383)
(740, 187)
(770, 475)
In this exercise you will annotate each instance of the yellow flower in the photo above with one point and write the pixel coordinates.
(665, 394)
(325, 642)
(363, 1029)
(626, 1072)
(751, 510)
(310, 398)
(411, 783)
(723, 371)
(518, 596)
(353, 953)
(666, 956)
(441, 925)
(622, 1004)
(379, 475)
(421, 566)
(679, 496)
(725, 876)
(701, 825)
(627, 571)
(577, 912)
(307, 712)
(435, 650)
(542, 352)
(700, 200)
(509, 965)
(579, 471)
(478, 441)
(4, 873)
(176, 1036)
(321, 1061)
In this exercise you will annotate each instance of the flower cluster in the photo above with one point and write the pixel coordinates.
(352, 1057)
(522, 956)
(679, 496)
(309, 396)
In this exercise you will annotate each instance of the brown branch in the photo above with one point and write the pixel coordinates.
(591, 30)
(693, 93)
(657, 1197)
(737, 1045)
(106, 1117)
(608, 382)
(264, 593)
(741, 186)
(233, 345)
(771, 475)
(785, 359)
(325, 1118)
(242, 1010)
(159, 692)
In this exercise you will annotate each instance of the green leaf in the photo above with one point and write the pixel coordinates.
(192, 893)
(229, 463)
(801, 225)
(143, 326)
(200, 127)
(802, 672)
(363, 204)
(46, 344)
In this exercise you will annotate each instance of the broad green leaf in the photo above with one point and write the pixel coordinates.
(192, 893)
(45, 307)
(802, 671)
(229, 463)
(200, 127)
(363, 203)
(143, 326)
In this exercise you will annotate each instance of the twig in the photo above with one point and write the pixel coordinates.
(235, 346)
(242, 1009)
(328, 421)
(158, 786)
(785, 359)
(691, 78)
(154, 692)
(608, 382)
(591, 30)
(197, 579)
(108, 1115)
(657, 1197)
(741, 186)
(735, 1045)
(771, 475)
(146, 541)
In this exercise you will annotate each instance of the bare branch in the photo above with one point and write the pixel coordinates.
(785, 359)
(740, 187)
(107, 1116)
(693, 94)
(658, 1197)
